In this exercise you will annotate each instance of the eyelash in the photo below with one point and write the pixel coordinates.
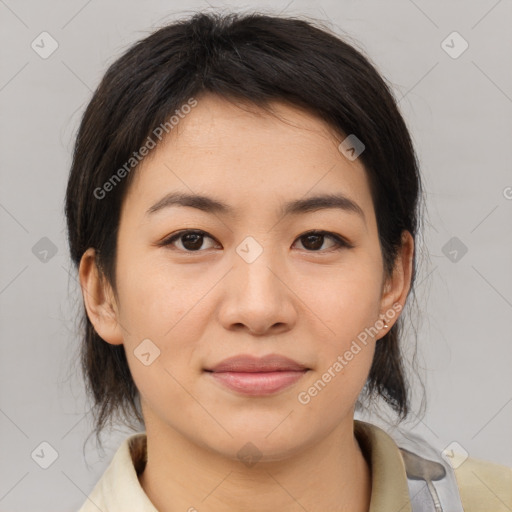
(340, 242)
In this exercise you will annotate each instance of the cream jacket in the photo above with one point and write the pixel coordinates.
(483, 486)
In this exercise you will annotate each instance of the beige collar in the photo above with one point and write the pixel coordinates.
(119, 488)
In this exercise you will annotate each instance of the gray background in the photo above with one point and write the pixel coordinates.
(459, 111)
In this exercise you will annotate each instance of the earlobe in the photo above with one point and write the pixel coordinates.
(99, 300)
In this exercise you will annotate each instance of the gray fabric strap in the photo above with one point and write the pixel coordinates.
(431, 479)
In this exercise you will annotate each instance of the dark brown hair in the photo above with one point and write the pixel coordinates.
(254, 58)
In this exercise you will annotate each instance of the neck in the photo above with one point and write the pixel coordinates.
(329, 475)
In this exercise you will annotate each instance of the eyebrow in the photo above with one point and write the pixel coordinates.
(295, 207)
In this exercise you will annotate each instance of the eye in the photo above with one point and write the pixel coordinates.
(315, 240)
(192, 240)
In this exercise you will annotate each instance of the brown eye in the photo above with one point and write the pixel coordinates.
(314, 240)
(191, 240)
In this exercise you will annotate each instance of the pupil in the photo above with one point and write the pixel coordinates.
(319, 240)
(195, 239)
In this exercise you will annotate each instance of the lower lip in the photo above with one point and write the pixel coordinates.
(258, 384)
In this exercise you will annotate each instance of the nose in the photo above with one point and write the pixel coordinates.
(258, 296)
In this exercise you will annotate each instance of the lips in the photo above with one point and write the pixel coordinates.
(251, 364)
(255, 376)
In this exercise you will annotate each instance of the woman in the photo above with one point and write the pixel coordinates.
(242, 209)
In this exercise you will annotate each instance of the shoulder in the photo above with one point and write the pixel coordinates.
(484, 486)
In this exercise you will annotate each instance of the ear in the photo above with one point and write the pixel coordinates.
(396, 287)
(99, 299)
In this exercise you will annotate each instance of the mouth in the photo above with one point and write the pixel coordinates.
(254, 376)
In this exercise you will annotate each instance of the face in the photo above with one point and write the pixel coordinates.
(199, 284)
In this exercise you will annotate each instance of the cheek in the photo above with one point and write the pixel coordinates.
(156, 298)
(333, 389)
(346, 302)
(158, 305)
(156, 308)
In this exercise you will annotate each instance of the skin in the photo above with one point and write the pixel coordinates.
(199, 307)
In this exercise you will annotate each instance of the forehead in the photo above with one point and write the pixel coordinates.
(247, 156)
